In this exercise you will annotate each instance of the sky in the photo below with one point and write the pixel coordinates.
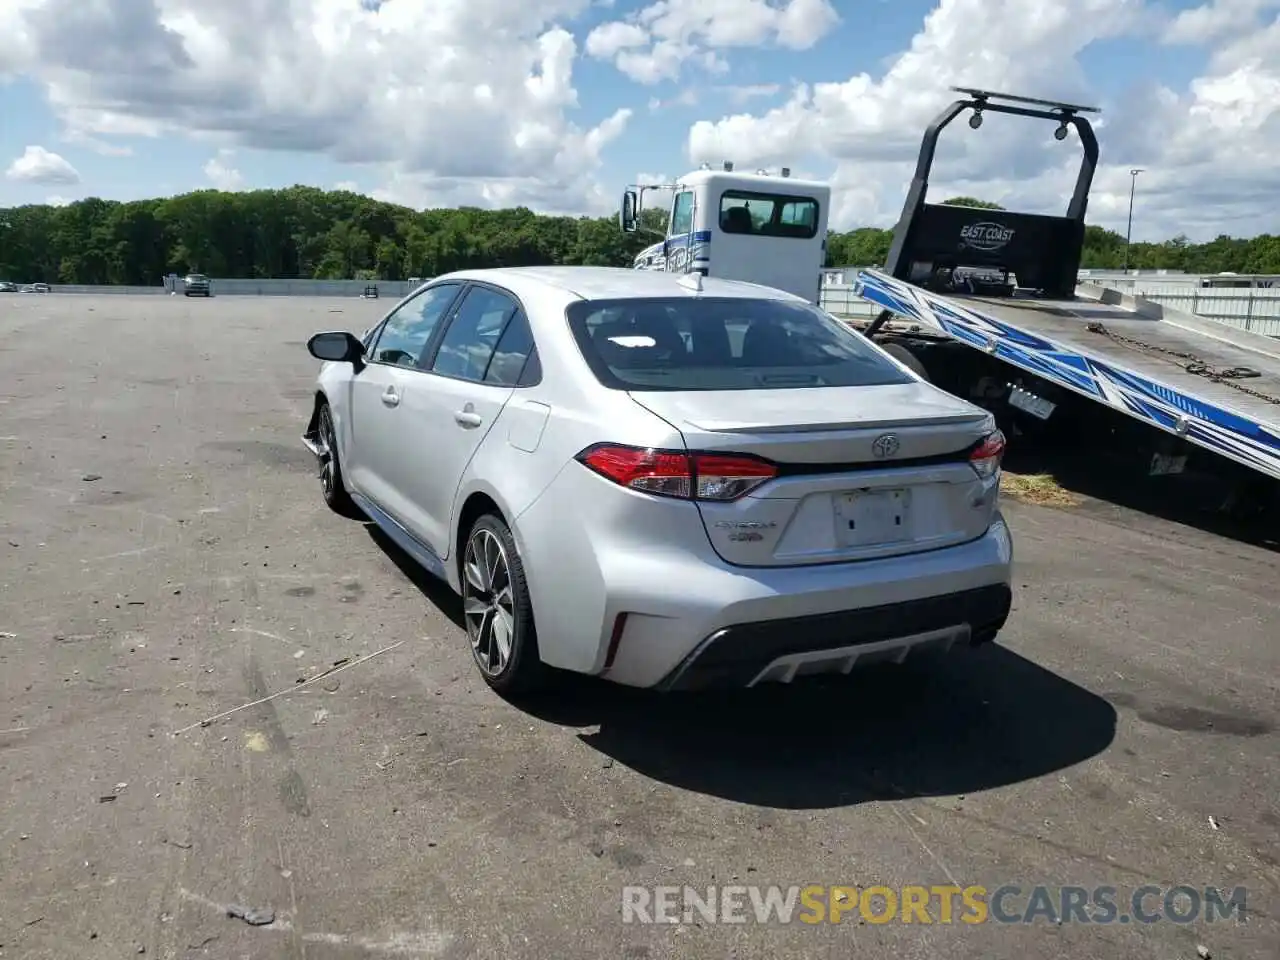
(559, 104)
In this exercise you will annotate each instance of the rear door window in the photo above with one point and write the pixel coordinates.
(511, 358)
(473, 334)
(723, 344)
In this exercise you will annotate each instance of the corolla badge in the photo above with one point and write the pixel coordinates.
(746, 531)
(885, 445)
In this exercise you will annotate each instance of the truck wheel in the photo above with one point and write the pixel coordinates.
(907, 359)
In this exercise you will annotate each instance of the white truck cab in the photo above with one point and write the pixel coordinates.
(758, 227)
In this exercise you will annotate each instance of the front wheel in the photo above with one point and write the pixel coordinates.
(330, 467)
(497, 610)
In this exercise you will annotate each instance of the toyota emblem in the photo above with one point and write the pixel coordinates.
(884, 446)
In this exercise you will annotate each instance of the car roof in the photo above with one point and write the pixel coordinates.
(615, 283)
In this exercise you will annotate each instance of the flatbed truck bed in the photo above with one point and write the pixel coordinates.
(1006, 283)
(1212, 385)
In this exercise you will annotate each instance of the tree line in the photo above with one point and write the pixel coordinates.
(306, 232)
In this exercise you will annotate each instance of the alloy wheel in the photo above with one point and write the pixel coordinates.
(487, 601)
(325, 452)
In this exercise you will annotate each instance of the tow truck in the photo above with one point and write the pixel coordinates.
(986, 303)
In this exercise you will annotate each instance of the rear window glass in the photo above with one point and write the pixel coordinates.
(768, 215)
(723, 344)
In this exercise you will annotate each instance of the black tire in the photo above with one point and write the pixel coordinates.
(330, 467)
(906, 358)
(521, 670)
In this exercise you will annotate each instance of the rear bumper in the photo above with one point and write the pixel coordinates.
(628, 588)
(745, 654)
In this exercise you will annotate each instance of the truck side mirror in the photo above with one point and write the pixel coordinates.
(628, 213)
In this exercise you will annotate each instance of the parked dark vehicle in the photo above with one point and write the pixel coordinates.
(195, 285)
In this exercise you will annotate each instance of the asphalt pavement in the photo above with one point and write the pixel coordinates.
(165, 557)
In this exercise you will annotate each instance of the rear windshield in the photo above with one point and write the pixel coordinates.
(723, 344)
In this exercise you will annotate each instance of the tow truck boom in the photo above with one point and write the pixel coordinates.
(1005, 283)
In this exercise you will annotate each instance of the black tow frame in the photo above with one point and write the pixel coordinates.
(954, 249)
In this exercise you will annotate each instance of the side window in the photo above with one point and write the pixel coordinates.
(512, 354)
(801, 213)
(406, 332)
(531, 375)
(469, 342)
(682, 214)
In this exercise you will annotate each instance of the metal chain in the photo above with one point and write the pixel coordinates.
(1192, 364)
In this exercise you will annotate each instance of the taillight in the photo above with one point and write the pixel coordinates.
(662, 472)
(687, 476)
(987, 455)
(727, 477)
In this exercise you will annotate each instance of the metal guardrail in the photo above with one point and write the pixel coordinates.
(1249, 308)
(839, 299)
(390, 289)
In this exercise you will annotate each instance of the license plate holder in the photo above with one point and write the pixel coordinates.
(872, 517)
(1167, 465)
(1027, 402)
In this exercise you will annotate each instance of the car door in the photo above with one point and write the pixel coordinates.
(474, 368)
(382, 425)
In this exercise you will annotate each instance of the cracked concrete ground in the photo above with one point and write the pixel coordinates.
(1123, 733)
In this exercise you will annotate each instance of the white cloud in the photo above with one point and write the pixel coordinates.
(38, 165)
(1214, 20)
(688, 97)
(656, 42)
(57, 201)
(222, 174)
(610, 39)
(742, 93)
(451, 91)
(98, 146)
(1208, 151)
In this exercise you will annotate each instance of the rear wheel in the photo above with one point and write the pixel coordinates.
(330, 467)
(907, 359)
(498, 613)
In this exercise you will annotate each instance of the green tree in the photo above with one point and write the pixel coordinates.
(971, 202)
(307, 232)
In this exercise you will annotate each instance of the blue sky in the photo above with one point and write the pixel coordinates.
(1116, 68)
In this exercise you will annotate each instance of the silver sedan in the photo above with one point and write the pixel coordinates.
(666, 481)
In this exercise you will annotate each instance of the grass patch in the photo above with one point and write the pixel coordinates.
(1037, 488)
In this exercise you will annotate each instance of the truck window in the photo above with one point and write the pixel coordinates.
(768, 215)
(682, 213)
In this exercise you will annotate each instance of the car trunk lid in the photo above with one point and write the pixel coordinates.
(862, 472)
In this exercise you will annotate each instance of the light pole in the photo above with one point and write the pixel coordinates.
(1133, 183)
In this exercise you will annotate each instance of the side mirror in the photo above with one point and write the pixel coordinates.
(337, 347)
(628, 215)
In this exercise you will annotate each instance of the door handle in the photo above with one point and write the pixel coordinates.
(390, 397)
(468, 419)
